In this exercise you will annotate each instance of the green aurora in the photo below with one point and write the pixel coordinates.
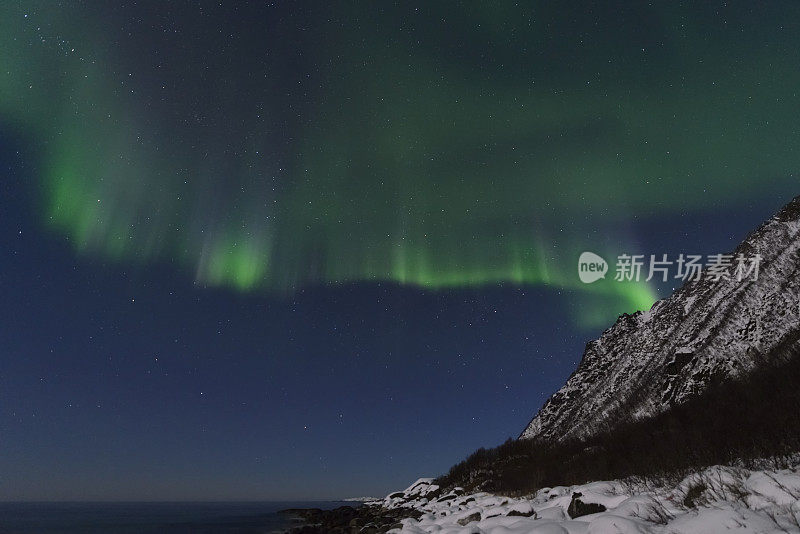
(456, 148)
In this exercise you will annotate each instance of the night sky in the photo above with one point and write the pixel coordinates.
(318, 250)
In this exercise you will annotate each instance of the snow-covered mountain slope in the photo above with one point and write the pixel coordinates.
(716, 500)
(706, 331)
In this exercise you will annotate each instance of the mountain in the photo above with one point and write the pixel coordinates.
(706, 332)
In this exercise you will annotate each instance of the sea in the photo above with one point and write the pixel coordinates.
(151, 517)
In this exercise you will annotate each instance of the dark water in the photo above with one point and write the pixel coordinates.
(149, 518)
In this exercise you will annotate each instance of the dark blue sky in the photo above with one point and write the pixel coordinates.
(120, 383)
(274, 252)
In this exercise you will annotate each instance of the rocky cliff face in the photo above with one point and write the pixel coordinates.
(704, 332)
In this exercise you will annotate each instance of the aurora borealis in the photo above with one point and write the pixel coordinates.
(290, 250)
(418, 145)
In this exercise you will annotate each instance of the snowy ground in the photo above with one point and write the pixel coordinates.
(718, 500)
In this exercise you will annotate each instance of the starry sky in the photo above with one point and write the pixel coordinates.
(316, 250)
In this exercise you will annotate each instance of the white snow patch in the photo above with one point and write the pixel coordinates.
(724, 500)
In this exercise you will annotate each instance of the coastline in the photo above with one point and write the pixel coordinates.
(754, 500)
(367, 518)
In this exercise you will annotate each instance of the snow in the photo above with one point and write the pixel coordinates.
(723, 500)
